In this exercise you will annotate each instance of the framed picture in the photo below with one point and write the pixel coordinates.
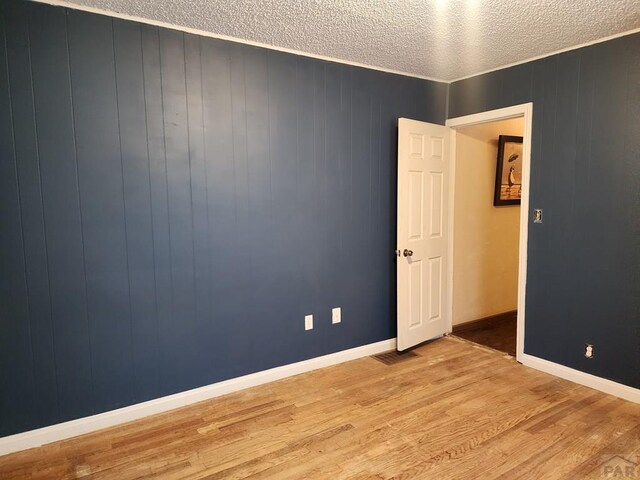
(508, 189)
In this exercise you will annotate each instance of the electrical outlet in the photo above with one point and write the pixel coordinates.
(336, 315)
(308, 322)
(588, 350)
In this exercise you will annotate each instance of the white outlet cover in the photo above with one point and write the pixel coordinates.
(588, 351)
(308, 322)
(336, 315)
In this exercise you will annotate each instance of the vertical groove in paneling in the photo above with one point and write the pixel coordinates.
(17, 384)
(46, 349)
(181, 326)
(261, 296)
(158, 197)
(31, 210)
(225, 293)
(176, 204)
(584, 203)
(322, 301)
(85, 287)
(95, 117)
(52, 105)
(74, 144)
(133, 382)
(198, 179)
(332, 260)
(244, 343)
(137, 206)
(19, 216)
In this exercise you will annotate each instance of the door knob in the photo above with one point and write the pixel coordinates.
(407, 253)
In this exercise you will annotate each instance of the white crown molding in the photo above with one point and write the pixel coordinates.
(550, 54)
(607, 386)
(99, 11)
(73, 428)
(204, 33)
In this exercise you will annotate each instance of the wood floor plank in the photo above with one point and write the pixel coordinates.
(454, 411)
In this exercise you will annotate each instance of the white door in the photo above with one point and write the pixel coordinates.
(423, 171)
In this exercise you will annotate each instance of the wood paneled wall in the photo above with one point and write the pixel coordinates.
(171, 206)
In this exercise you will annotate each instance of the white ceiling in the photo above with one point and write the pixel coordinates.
(442, 39)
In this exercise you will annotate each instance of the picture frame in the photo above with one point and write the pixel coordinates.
(508, 185)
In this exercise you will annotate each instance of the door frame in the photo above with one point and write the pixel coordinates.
(523, 110)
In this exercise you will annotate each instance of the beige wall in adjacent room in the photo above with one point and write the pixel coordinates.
(485, 275)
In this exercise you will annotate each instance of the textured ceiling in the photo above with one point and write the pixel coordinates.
(443, 39)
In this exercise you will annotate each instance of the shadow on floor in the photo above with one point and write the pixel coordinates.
(497, 332)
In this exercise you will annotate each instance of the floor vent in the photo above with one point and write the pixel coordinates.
(393, 357)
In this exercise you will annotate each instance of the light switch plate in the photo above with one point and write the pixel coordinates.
(537, 215)
(336, 315)
(308, 322)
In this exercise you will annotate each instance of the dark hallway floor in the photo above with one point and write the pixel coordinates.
(497, 332)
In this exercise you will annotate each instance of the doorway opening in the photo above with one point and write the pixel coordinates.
(488, 237)
(485, 249)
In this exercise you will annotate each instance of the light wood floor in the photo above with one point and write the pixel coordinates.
(455, 411)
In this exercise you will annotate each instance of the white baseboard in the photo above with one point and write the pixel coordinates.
(73, 428)
(586, 379)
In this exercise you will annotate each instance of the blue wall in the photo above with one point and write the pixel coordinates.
(583, 283)
(172, 206)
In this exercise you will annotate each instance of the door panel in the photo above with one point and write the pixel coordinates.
(416, 284)
(416, 202)
(423, 170)
(437, 201)
(435, 296)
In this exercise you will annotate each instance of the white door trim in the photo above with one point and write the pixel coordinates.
(524, 110)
